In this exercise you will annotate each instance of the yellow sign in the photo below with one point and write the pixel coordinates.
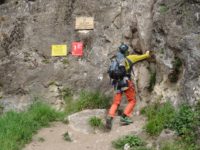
(84, 23)
(59, 50)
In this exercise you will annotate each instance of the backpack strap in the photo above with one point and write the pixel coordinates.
(130, 65)
(130, 62)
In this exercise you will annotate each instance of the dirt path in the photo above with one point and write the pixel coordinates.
(52, 138)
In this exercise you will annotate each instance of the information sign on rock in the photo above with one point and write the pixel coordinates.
(59, 50)
(77, 48)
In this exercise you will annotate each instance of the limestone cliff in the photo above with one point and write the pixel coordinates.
(28, 28)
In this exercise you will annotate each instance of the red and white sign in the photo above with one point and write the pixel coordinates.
(77, 48)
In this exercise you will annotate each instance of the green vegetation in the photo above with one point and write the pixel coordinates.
(184, 120)
(152, 81)
(1, 109)
(1, 85)
(46, 61)
(65, 61)
(17, 129)
(177, 63)
(186, 123)
(158, 116)
(52, 83)
(67, 137)
(177, 145)
(41, 139)
(96, 122)
(133, 141)
(87, 100)
(66, 94)
(173, 76)
(66, 120)
(162, 50)
(163, 8)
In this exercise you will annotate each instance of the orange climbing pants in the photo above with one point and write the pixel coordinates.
(130, 95)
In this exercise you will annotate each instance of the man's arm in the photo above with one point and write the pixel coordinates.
(136, 58)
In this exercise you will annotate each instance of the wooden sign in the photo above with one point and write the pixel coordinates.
(59, 50)
(77, 48)
(84, 23)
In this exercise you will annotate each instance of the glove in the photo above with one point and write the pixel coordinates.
(148, 53)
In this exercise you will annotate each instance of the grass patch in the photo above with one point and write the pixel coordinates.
(66, 94)
(183, 120)
(174, 75)
(1, 109)
(152, 81)
(186, 123)
(162, 50)
(41, 139)
(177, 63)
(158, 116)
(177, 145)
(87, 100)
(17, 129)
(96, 122)
(163, 8)
(65, 61)
(52, 83)
(66, 120)
(132, 141)
(67, 137)
(46, 61)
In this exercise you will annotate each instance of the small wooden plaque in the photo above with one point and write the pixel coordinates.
(84, 23)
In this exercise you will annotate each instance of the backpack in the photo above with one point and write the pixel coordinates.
(116, 71)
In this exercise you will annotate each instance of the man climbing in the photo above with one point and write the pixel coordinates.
(123, 84)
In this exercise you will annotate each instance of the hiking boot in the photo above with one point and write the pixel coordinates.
(125, 120)
(109, 123)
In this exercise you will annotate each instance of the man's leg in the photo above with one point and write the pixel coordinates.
(116, 102)
(111, 114)
(130, 94)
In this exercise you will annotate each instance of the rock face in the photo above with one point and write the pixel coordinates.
(177, 44)
(28, 28)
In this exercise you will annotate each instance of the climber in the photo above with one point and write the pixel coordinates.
(123, 84)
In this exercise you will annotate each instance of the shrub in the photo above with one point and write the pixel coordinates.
(87, 100)
(186, 123)
(17, 128)
(132, 140)
(158, 116)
